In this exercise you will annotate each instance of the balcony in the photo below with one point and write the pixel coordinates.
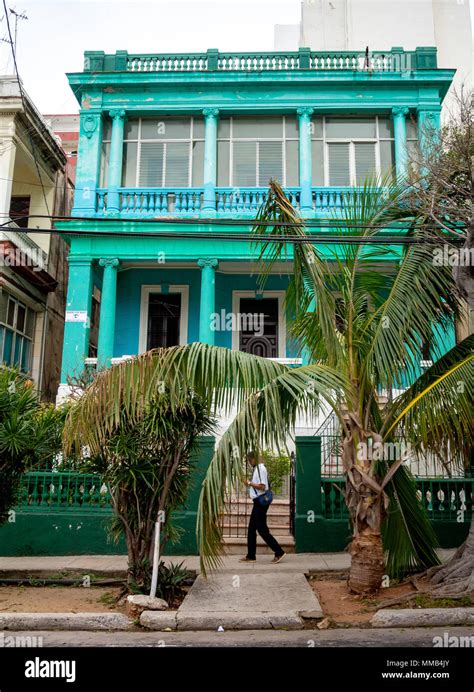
(394, 60)
(140, 203)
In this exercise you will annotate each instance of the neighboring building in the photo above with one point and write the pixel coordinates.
(66, 127)
(197, 137)
(33, 269)
(348, 25)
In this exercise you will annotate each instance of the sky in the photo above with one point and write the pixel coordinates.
(53, 39)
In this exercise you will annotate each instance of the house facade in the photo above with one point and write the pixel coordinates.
(34, 186)
(174, 157)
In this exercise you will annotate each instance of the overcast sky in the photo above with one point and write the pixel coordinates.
(53, 39)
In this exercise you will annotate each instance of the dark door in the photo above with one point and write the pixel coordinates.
(259, 326)
(164, 312)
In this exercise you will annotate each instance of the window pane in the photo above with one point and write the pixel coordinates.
(291, 127)
(350, 128)
(317, 128)
(244, 164)
(270, 163)
(257, 128)
(292, 177)
(364, 161)
(223, 128)
(387, 157)
(11, 313)
(7, 347)
(177, 164)
(18, 345)
(131, 129)
(25, 356)
(129, 170)
(104, 164)
(20, 317)
(30, 322)
(412, 128)
(338, 160)
(385, 128)
(151, 165)
(198, 164)
(317, 153)
(223, 159)
(166, 128)
(198, 128)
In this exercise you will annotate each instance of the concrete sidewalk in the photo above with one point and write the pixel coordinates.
(116, 565)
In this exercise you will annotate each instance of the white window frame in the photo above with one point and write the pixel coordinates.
(18, 332)
(237, 295)
(163, 140)
(351, 141)
(232, 140)
(147, 289)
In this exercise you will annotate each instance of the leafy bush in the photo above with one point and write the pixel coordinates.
(30, 434)
(147, 464)
(278, 467)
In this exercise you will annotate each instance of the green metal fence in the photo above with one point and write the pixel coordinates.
(445, 499)
(54, 491)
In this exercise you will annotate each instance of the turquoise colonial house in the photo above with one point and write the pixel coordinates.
(175, 155)
(174, 148)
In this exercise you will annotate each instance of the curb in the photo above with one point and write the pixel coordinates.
(422, 617)
(199, 621)
(65, 621)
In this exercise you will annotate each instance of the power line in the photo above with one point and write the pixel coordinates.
(192, 221)
(250, 237)
(20, 86)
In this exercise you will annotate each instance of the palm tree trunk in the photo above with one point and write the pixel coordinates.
(455, 579)
(364, 502)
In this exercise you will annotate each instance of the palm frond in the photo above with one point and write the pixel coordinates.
(265, 420)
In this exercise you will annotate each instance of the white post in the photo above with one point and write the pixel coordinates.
(7, 162)
(156, 560)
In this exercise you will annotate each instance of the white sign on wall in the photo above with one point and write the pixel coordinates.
(76, 315)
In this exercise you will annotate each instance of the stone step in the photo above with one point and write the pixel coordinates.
(237, 546)
(242, 520)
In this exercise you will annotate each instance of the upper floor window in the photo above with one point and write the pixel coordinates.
(347, 150)
(17, 323)
(160, 152)
(251, 150)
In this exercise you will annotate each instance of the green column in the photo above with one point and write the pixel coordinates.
(115, 162)
(78, 313)
(208, 299)
(88, 162)
(105, 347)
(400, 133)
(429, 125)
(308, 509)
(210, 158)
(305, 164)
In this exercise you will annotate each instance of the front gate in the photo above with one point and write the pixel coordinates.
(280, 517)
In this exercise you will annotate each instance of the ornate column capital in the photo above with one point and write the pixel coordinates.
(117, 114)
(210, 112)
(109, 262)
(208, 262)
(304, 112)
(398, 111)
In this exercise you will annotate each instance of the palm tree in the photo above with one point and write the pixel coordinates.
(363, 329)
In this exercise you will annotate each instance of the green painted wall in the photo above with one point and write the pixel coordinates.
(78, 534)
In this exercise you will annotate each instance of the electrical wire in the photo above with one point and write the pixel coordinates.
(20, 86)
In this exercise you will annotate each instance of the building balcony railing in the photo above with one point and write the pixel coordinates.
(395, 59)
(157, 202)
